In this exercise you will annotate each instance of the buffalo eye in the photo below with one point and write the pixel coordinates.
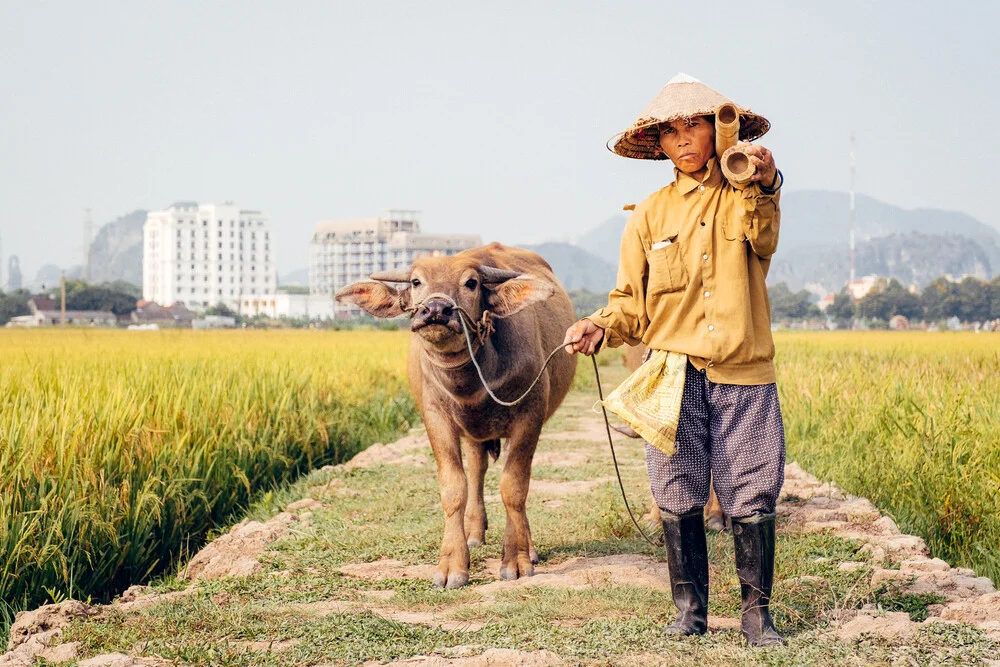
(415, 282)
(471, 283)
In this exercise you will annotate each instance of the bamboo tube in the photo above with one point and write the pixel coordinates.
(737, 167)
(727, 128)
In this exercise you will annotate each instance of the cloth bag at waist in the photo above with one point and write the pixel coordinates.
(649, 400)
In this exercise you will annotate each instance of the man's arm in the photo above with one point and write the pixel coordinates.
(624, 319)
(762, 213)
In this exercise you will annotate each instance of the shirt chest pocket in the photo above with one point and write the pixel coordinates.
(732, 227)
(667, 272)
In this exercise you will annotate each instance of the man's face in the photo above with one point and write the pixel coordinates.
(688, 142)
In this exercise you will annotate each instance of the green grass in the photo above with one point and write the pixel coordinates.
(910, 421)
(907, 420)
(397, 515)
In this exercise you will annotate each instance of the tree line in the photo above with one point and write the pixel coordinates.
(971, 300)
(118, 297)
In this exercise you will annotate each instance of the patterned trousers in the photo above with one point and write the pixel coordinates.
(733, 433)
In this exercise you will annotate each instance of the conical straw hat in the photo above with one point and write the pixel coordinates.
(682, 97)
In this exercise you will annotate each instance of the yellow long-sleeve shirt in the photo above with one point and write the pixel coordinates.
(694, 256)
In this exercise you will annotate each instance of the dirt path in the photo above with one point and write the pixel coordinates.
(575, 589)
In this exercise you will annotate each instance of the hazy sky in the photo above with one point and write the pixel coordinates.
(488, 117)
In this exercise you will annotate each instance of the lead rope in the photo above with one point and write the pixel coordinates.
(607, 427)
(600, 392)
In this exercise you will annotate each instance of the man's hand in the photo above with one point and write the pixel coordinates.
(584, 336)
(764, 161)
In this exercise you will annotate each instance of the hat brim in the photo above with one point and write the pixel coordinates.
(642, 140)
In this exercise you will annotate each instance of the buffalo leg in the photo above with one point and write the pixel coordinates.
(475, 508)
(714, 515)
(715, 518)
(518, 550)
(453, 564)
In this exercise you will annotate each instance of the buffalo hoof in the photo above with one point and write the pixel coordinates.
(717, 524)
(457, 580)
(510, 573)
(474, 542)
(454, 580)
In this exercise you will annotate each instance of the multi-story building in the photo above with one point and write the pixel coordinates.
(345, 251)
(859, 288)
(205, 254)
(291, 306)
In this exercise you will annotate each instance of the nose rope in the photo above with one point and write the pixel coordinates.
(597, 374)
(484, 327)
(482, 333)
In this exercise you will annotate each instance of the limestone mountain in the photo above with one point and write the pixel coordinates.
(116, 253)
(914, 246)
(576, 268)
(605, 239)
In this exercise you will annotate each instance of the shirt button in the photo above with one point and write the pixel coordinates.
(704, 256)
(711, 364)
(708, 294)
(701, 188)
(711, 327)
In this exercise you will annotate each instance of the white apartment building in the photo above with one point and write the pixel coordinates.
(293, 306)
(345, 251)
(205, 254)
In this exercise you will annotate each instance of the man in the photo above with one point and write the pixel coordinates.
(694, 256)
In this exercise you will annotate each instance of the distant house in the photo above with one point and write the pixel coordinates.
(297, 306)
(45, 313)
(859, 288)
(150, 312)
(214, 322)
(899, 323)
(826, 301)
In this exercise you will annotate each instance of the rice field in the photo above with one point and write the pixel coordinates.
(910, 421)
(120, 451)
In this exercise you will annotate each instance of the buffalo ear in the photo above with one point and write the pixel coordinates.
(512, 295)
(377, 298)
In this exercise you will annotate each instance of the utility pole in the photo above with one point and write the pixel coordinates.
(852, 205)
(62, 299)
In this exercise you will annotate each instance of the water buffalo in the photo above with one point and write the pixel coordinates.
(517, 312)
(714, 516)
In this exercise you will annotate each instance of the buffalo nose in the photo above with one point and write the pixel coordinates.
(437, 309)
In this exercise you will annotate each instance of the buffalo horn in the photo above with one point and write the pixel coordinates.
(393, 276)
(491, 274)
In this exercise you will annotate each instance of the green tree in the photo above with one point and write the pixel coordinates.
(81, 295)
(842, 310)
(995, 298)
(788, 305)
(586, 302)
(124, 287)
(222, 310)
(973, 300)
(893, 300)
(14, 304)
(940, 299)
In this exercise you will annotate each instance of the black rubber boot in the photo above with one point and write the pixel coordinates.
(753, 538)
(687, 561)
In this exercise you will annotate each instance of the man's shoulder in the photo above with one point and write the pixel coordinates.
(656, 198)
